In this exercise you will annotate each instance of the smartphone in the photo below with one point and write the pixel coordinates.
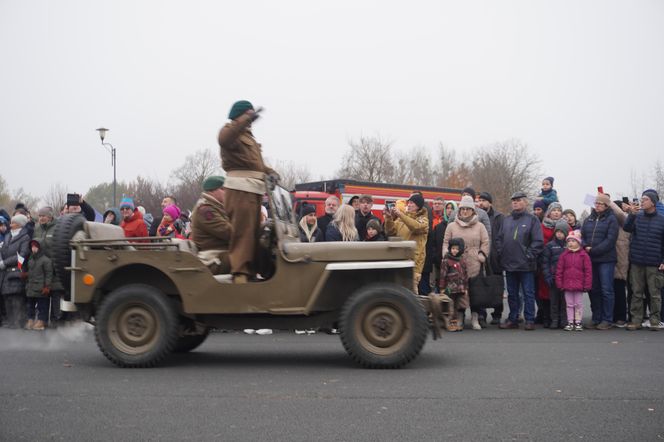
(389, 205)
(600, 189)
(73, 199)
(625, 200)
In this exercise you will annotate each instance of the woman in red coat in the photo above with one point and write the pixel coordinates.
(132, 220)
(574, 275)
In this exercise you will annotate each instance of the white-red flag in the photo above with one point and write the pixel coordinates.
(20, 261)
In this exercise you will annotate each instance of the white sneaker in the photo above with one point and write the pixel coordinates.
(249, 331)
(264, 331)
(658, 326)
(311, 331)
(300, 332)
(645, 324)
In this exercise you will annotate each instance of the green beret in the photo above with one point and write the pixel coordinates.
(213, 182)
(239, 107)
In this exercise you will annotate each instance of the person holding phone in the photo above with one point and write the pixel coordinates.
(600, 234)
(646, 255)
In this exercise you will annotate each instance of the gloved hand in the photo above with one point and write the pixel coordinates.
(2, 265)
(24, 275)
(46, 291)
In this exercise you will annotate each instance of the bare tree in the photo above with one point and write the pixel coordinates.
(446, 166)
(56, 196)
(21, 196)
(637, 182)
(149, 194)
(291, 173)
(5, 197)
(100, 196)
(658, 178)
(414, 168)
(369, 159)
(191, 174)
(504, 168)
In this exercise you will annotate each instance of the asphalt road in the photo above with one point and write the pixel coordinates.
(489, 385)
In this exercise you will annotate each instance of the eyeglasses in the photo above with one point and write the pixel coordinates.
(125, 208)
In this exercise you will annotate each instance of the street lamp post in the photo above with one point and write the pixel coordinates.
(109, 147)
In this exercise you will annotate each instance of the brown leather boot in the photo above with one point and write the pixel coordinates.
(30, 324)
(39, 325)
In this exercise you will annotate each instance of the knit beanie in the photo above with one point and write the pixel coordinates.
(576, 236)
(173, 211)
(549, 179)
(46, 211)
(467, 202)
(307, 209)
(562, 225)
(374, 224)
(127, 202)
(604, 199)
(417, 199)
(470, 191)
(540, 204)
(19, 219)
(239, 107)
(652, 194)
(566, 211)
(486, 196)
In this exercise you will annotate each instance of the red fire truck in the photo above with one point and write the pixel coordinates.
(315, 193)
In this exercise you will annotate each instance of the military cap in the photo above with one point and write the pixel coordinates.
(213, 182)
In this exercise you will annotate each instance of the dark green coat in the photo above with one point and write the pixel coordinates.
(44, 234)
(40, 275)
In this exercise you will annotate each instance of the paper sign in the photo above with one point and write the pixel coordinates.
(590, 200)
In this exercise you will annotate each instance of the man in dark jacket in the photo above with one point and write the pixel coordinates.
(600, 233)
(486, 202)
(519, 244)
(331, 207)
(646, 255)
(363, 215)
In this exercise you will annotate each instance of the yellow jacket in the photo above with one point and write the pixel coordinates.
(411, 226)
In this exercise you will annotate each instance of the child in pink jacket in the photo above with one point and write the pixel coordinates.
(574, 276)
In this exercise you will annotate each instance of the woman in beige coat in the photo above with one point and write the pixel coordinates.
(467, 226)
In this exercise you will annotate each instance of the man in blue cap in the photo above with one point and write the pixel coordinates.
(242, 159)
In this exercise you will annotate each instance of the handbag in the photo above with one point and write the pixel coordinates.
(486, 289)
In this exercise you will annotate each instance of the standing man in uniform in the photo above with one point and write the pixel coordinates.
(211, 229)
(246, 173)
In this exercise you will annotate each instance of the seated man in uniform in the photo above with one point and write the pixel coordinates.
(210, 227)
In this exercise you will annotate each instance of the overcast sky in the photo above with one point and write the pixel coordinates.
(581, 82)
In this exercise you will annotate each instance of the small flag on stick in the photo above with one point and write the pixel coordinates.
(20, 261)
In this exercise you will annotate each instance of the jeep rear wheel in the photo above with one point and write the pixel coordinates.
(136, 326)
(383, 326)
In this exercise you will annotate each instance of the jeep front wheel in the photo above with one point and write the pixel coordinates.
(137, 326)
(383, 326)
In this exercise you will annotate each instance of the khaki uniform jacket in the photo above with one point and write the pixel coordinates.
(239, 149)
(411, 227)
(475, 238)
(210, 227)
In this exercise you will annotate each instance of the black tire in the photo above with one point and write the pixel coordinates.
(65, 228)
(188, 343)
(137, 326)
(383, 326)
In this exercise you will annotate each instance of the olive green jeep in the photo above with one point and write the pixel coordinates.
(151, 297)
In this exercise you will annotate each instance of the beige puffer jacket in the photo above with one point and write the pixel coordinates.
(476, 239)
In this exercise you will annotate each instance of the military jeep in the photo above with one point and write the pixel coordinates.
(149, 297)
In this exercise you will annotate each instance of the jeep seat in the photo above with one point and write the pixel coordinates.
(103, 231)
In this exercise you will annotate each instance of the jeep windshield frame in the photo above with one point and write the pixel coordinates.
(281, 210)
